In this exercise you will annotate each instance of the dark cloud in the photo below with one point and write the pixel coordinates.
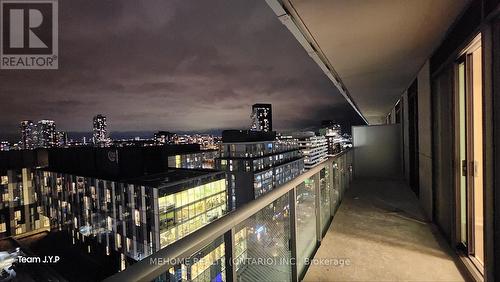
(176, 65)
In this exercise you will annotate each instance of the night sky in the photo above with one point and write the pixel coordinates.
(172, 65)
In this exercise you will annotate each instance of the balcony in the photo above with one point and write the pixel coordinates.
(426, 74)
(382, 232)
(288, 234)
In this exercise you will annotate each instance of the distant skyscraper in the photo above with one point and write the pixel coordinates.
(262, 117)
(45, 133)
(27, 134)
(99, 131)
(61, 139)
(162, 137)
(333, 135)
(4, 146)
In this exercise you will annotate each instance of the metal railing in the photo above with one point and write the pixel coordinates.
(269, 239)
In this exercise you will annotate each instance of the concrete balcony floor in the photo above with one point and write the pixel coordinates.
(381, 230)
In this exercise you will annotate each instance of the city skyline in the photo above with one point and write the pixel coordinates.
(99, 127)
(182, 80)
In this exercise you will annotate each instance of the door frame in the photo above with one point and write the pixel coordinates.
(467, 250)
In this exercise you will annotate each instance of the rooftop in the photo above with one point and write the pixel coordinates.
(172, 177)
(243, 136)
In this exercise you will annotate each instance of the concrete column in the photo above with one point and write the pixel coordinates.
(425, 139)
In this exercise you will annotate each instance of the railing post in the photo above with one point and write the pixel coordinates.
(351, 168)
(292, 194)
(332, 187)
(341, 177)
(229, 255)
(317, 190)
(344, 173)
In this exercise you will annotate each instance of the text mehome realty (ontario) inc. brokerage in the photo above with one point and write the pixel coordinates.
(259, 261)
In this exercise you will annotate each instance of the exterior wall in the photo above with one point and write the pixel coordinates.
(425, 139)
(116, 215)
(245, 186)
(314, 149)
(333, 137)
(377, 151)
(443, 161)
(491, 45)
(203, 159)
(130, 221)
(242, 188)
(19, 211)
(251, 167)
(186, 211)
(406, 135)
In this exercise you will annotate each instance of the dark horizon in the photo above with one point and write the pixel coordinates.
(78, 135)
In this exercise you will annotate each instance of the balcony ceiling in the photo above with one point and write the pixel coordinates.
(376, 46)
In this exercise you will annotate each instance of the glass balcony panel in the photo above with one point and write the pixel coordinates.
(208, 264)
(262, 244)
(325, 201)
(306, 222)
(335, 188)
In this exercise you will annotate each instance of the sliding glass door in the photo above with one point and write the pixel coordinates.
(470, 153)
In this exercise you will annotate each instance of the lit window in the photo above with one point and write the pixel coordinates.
(137, 218)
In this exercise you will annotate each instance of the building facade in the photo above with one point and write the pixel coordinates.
(314, 148)
(333, 135)
(262, 117)
(5, 146)
(162, 137)
(131, 219)
(19, 209)
(28, 131)
(255, 163)
(99, 130)
(61, 139)
(45, 134)
(202, 159)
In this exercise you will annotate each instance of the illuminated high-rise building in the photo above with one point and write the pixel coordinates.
(45, 133)
(27, 134)
(99, 130)
(256, 162)
(128, 191)
(20, 210)
(61, 139)
(314, 148)
(333, 134)
(4, 146)
(163, 137)
(262, 117)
